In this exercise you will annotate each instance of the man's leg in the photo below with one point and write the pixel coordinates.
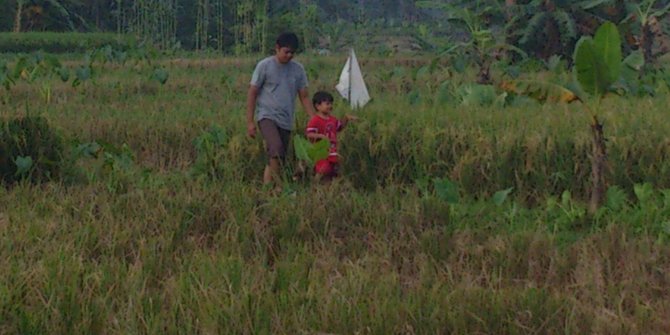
(271, 172)
(276, 142)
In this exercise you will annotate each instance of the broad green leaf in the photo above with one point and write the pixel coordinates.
(608, 42)
(83, 73)
(500, 196)
(643, 192)
(566, 198)
(310, 152)
(319, 150)
(589, 4)
(541, 91)
(422, 72)
(598, 60)
(88, 150)
(446, 190)
(589, 68)
(414, 97)
(477, 95)
(52, 62)
(64, 74)
(301, 147)
(444, 93)
(666, 197)
(615, 198)
(635, 60)
(23, 165)
(160, 75)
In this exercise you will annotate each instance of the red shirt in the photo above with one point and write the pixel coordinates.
(329, 127)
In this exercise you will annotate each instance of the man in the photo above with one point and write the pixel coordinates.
(275, 83)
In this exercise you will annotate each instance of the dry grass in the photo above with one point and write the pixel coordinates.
(156, 248)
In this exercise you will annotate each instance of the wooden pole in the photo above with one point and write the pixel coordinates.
(19, 14)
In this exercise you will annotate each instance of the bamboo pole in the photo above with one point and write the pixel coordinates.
(19, 14)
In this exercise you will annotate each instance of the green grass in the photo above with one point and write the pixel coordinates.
(139, 241)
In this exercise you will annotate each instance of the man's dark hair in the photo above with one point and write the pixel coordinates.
(320, 97)
(289, 40)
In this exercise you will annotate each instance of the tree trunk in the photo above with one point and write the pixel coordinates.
(509, 9)
(484, 73)
(19, 14)
(598, 165)
(647, 43)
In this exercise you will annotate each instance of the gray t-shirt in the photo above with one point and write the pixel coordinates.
(278, 86)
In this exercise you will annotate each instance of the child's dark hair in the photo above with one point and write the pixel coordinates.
(289, 40)
(320, 97)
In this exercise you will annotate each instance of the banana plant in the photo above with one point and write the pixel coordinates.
(484, 44)
(598, 65)
(549, 27)
(647, 15)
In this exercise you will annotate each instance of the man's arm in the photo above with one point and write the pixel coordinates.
(306, 102)
(252, 94)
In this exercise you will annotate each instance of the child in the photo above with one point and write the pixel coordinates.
(324, 126)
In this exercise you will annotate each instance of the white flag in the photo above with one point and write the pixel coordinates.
(351, 85)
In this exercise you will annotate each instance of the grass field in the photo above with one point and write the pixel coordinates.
(166, 234)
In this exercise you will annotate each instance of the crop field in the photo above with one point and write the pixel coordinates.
(456, 212)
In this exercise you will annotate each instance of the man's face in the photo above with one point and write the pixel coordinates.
(284, 54)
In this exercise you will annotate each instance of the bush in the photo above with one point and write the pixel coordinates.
(29, 149)
(52, 42)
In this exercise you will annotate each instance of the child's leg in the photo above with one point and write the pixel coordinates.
(323, 170)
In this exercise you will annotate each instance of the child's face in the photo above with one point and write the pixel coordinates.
(324, 107)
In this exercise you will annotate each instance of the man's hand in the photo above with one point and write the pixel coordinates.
(251, 105)
(251, 129)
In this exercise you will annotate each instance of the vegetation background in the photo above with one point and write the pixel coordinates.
(131, 198)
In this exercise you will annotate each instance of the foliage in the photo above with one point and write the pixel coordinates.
(598, 60)
(476, 95)
(484, 44)
(29, 149)
(546, 28)
(52, 42)
(446, 190)
(186, 254)
(160, 74)
(540, 90)
(310, 152)
(646, 14)
(210, 151)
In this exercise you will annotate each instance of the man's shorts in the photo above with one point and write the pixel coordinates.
(327, 168)
(276, 138)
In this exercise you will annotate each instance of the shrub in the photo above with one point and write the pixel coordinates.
(29, 149)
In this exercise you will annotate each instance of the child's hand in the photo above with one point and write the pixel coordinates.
(350, 117)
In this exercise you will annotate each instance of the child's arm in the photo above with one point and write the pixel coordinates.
(345, 120)
(317, 136)
(312, 131)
